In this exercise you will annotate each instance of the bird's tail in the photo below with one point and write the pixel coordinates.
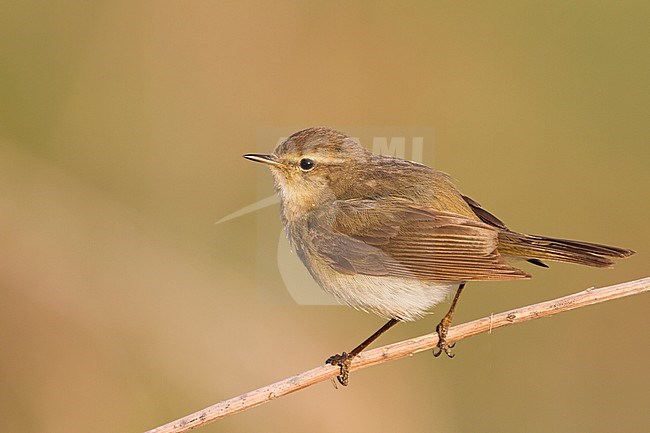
(561, 250)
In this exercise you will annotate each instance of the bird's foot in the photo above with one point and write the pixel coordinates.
(343, 361)
(442, 346)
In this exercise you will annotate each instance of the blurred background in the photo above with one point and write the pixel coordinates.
(122, 125)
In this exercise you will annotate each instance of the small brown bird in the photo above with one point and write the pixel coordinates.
(395, 237)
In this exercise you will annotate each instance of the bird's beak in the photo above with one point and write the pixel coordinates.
(264, 159)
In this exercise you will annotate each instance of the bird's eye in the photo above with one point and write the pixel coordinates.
(306, 164)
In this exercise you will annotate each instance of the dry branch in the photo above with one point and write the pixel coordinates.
(402, 349)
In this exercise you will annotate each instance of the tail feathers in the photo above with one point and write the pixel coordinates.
(537, 262)
(561, 250)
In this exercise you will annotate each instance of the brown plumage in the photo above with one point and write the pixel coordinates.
(535, 247)
(395, 237)
(378, 215)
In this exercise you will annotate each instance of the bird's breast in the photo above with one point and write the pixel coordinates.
(386, 296)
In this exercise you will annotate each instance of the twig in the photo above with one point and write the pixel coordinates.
(402, 349)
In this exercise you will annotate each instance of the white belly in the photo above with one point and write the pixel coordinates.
(388, 297)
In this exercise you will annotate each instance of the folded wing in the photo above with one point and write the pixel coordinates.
(399, 239)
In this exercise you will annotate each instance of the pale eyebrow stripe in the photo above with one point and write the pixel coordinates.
(324, 159)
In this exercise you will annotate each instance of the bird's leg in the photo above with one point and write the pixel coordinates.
(344, 359)
(443, 328)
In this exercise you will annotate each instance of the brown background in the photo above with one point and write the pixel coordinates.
(122, 124)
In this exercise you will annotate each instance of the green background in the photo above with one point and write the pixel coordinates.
(122, 125)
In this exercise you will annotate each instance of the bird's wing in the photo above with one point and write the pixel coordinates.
(489, 219)
(400, 239)
(485, 216)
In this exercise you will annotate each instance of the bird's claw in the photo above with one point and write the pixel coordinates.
(343, 361)
(442, 345)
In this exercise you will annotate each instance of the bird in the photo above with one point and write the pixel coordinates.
(395, 237)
